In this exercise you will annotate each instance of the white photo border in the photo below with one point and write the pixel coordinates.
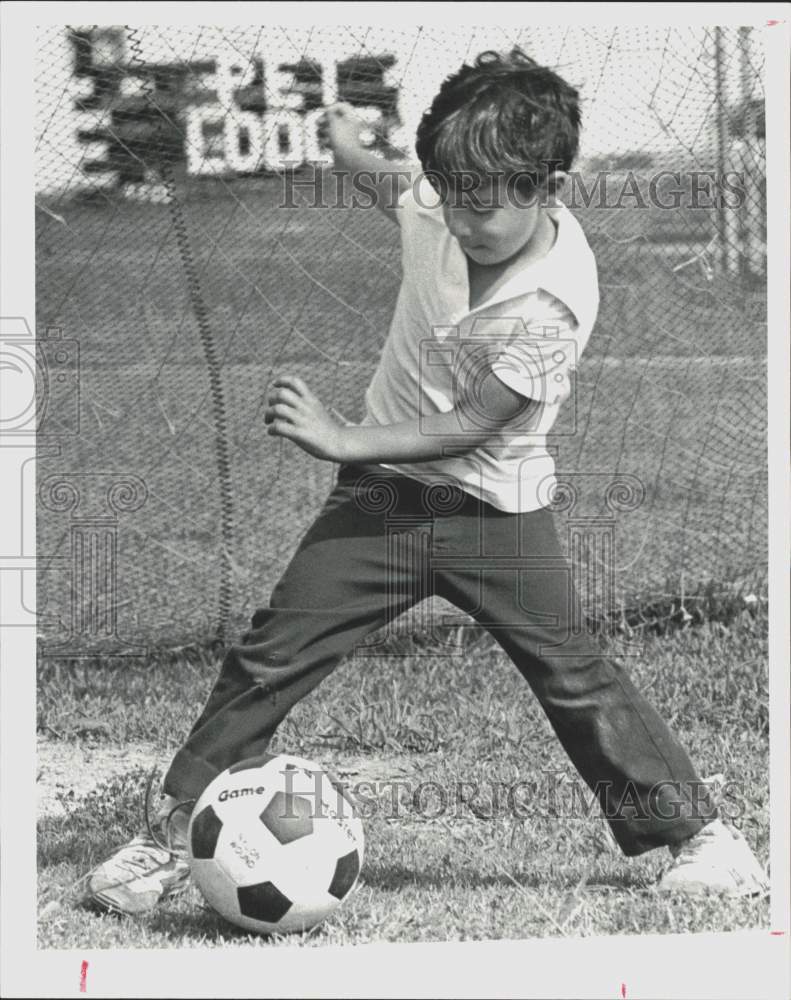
(744, 964)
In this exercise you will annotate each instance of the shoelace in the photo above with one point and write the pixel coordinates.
(166, 822)
(138, 864)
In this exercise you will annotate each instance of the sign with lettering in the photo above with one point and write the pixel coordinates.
(129, 116)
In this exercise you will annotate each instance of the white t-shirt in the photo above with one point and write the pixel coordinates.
(530, 333)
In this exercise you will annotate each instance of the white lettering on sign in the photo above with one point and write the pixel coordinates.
(278, 139)
(229, 114)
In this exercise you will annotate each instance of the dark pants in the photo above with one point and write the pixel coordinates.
(383, 542)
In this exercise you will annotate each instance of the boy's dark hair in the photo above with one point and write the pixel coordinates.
(505, 115)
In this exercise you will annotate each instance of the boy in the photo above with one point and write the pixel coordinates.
(498, 298)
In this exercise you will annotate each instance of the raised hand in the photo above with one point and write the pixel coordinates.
(343, 127)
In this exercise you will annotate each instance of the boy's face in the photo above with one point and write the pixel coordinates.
(491, 222)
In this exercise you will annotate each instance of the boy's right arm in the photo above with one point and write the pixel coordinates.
(388, 179)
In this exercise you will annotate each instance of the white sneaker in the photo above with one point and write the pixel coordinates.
(144, 871)
(717, 859)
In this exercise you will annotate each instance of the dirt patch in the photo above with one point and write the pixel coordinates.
(69, 769)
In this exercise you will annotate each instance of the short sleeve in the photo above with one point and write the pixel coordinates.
(539, 358)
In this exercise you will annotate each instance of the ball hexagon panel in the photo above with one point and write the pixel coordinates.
(288, 817)
(246, 855)
(304, 867)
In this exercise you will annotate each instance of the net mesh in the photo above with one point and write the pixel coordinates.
(168, 266)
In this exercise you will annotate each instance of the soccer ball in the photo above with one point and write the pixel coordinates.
(273, 844)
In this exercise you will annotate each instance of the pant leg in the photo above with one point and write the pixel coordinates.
(339, 587)
(515, 581)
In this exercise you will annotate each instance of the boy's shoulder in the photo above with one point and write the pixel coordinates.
(571, 261)
(564, 280)
(568, 272)
(571, 240)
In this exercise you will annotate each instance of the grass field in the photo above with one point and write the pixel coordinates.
(471, 871)
(672, 392)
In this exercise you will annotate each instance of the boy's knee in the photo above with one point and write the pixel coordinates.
(572, 677)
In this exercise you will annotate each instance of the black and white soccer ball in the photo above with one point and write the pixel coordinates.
(273, 843)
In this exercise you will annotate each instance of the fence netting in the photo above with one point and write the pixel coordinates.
(172, 284)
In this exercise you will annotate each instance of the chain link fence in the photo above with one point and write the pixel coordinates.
(172, 284)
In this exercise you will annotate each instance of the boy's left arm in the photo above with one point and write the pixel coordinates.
(295, 413)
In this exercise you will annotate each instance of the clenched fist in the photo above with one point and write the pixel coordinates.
(343, 126)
